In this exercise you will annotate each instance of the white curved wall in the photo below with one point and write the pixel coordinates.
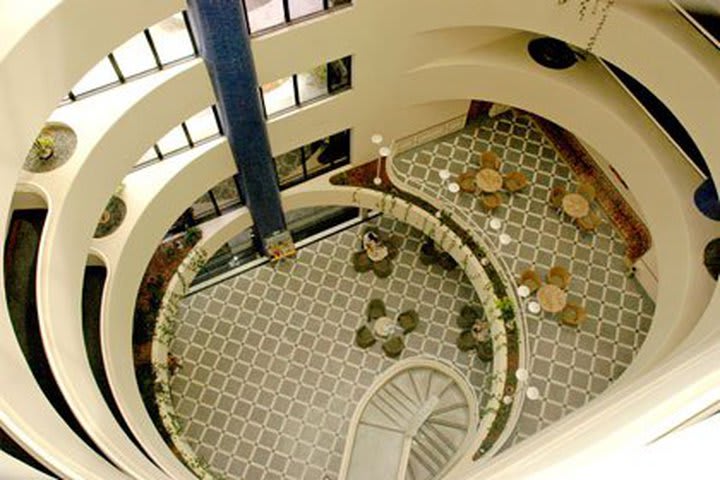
(385, 97)
(135, 115)
(156, 196)
(13, 469)
(57, 33)
(646, 38)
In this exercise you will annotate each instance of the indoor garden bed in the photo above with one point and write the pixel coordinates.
(52, 148)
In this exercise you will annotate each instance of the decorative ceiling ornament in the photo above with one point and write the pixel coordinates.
(599, 8)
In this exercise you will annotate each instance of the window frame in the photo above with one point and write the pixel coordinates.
(298, 102)
(122, 78)
(308, 174)
(288, 20)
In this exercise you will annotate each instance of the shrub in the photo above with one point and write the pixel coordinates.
(505, 306)
(192, 236)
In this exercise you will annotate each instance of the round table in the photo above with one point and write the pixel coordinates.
(384, 326)
(575, 205)
(552, 298)
(377, 253)
(489, 180)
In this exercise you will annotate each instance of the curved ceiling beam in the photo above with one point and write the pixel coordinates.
(57, 33)
(135, 116)
(156, 196)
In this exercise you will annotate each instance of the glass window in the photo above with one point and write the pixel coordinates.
(278, 96)
(148, 156)
(100, 75)
(289, 167)
(226, 193)
(334, 151)
(203, 207)
(135, 56)
(174, 140)
(172, 39)
(339, 74)
(317, 83)
(264, 14)
(202, 125)
(313, 159)
(300, 8)
(313, 84)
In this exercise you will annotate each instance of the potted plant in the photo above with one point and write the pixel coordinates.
(45, 147)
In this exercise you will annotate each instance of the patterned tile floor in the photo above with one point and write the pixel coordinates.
(270, 375)
(569, 366)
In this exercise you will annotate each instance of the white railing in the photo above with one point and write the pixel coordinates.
(439, 199)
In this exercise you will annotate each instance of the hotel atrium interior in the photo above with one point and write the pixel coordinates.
(359, 239)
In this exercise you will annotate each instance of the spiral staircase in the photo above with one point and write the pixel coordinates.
(413, 424)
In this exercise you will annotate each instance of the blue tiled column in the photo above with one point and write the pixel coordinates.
(221, 31)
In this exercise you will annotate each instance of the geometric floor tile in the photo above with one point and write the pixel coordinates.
(569, 366)
(270, 374)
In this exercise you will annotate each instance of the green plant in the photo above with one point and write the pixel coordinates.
(505, 306)
(191, 236)
(45, 146)
(497, 283)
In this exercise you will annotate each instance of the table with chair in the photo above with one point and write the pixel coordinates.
(487, 181)
(577, 205)
(552, 294)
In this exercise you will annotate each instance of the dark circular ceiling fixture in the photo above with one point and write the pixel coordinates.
(712, 258)
(706, 200)
(552, 53)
